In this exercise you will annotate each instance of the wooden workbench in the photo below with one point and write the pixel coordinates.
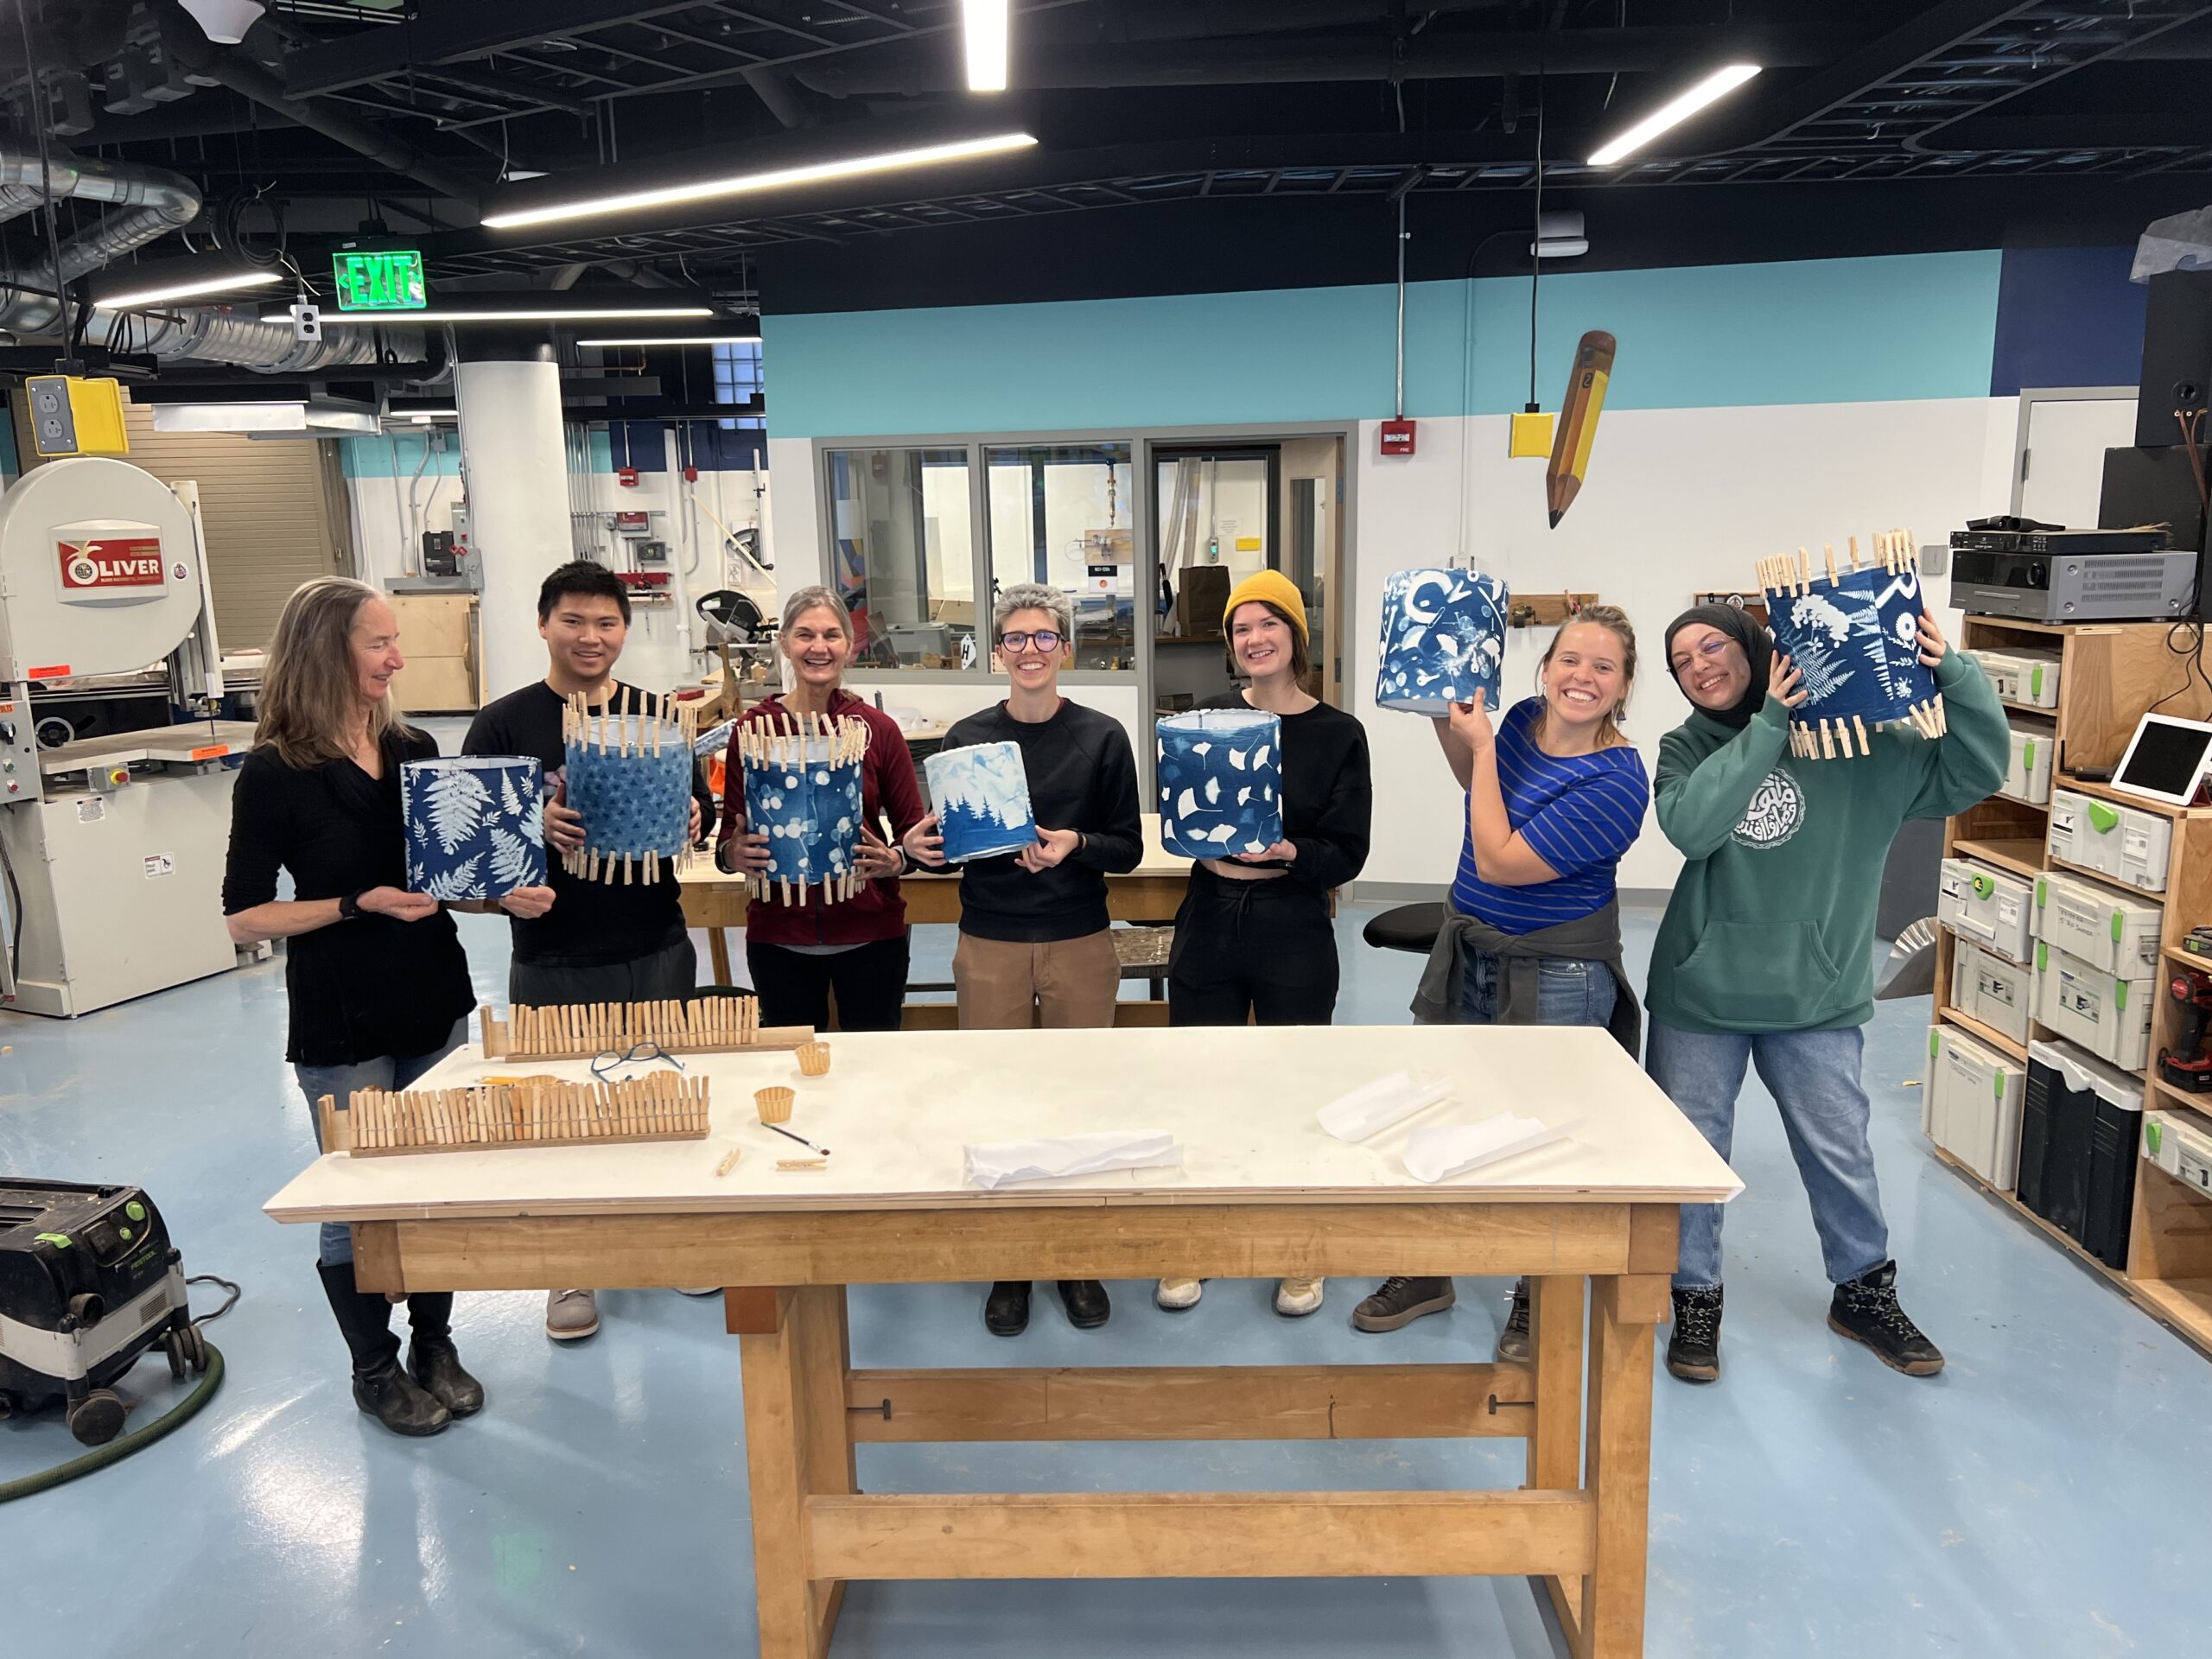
(1151, 893)
(1262, 1192)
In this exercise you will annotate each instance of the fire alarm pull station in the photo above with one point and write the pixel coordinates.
(1397, 437)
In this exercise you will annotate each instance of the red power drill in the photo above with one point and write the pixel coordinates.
(2186, 1065)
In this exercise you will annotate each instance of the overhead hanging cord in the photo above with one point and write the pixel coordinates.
(1536, 240)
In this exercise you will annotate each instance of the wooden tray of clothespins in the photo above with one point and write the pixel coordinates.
(582, 1031)
(528, 1112)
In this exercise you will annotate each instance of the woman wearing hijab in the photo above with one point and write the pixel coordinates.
(1765, 956)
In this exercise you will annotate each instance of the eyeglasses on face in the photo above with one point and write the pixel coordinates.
(1044, 640)
(1709, 652)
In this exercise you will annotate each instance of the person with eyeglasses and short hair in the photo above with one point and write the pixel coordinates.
(1035, 942)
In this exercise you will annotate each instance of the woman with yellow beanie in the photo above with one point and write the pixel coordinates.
(1254, 939)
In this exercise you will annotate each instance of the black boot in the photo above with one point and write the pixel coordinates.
(380, 1387)
(432, 1359)
(1085, 1301)
(1006, 1310)
(1866, 1310)
(1513, 1341)
(1694, 1348)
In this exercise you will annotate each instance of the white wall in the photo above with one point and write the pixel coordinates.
(1677, 502)
(388, 513)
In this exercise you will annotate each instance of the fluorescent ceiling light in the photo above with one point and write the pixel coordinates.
(553, 313)
(185, 288)
(983, 26)
(261, 419)
(741, 183)
(679, 339)
(1712, 88)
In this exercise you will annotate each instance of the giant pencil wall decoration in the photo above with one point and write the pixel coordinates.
(1854, 633)
(629, 775)
(1578, 422)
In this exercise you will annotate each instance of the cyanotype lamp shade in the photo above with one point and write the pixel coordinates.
(1443, 641)
(804, 794)
(981, 796)
(634, 800)
(1220, 782)
(1855, 636)
(473, 825)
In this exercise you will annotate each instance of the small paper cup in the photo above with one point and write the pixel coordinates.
(813, 1059)
(774, 1104)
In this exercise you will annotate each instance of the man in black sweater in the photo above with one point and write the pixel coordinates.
(1035, 942)
(602, 941)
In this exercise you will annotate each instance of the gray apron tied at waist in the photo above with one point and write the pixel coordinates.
(1595, 937)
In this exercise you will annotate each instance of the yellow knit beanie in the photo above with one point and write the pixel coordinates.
(1276, 590)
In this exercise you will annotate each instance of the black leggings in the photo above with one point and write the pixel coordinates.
(794, 986)
(1263, 951)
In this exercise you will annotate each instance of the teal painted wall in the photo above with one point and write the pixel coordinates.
(1914, 326)
(399, 455)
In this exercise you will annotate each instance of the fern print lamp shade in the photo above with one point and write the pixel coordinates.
(629, 776)
(473, 825)
(981, 796)
(1443, 641)
(1854, 633)
(1220, 782)
(802, 790)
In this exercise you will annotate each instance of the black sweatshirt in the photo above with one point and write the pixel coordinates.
(591, 923)
(359, 989)
(1328, 796)
(1082, 777)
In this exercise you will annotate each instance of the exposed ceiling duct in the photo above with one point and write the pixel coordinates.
(213, 334)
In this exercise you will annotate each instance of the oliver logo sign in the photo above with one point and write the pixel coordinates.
(111, 562)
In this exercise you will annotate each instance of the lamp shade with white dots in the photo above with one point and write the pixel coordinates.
(1220, 782)
(1443, 641)
(802, 792)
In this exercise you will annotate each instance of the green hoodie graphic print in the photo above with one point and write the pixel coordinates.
(1771, 926)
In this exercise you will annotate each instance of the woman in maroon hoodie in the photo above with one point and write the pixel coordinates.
(800, 953)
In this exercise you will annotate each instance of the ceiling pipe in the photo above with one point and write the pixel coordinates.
(781, 99)
(250, 80)
(1258, 62)
(215, 335)
(151, 201)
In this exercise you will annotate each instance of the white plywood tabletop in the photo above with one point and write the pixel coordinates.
(897, 1107)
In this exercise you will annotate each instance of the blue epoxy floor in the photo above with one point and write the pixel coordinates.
(2050, 1494)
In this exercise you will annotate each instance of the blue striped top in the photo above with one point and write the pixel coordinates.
(1578, 815)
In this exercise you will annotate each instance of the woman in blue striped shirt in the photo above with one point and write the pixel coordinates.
(1555, 795)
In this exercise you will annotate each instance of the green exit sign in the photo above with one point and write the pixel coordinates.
(390, 280)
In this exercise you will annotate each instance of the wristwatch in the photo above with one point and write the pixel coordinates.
(349, 907)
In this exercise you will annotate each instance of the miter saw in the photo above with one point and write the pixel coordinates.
(111, 847)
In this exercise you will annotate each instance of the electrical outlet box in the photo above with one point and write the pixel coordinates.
(1531, 439)
(74, 416)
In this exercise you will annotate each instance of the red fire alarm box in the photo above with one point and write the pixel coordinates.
(1397, 437)
(627, 476)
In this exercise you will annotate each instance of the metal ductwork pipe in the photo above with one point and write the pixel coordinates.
(153, 201)
(211, 335)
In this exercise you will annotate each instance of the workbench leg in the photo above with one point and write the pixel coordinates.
(796, 1445)
(1556, 1437)
(1624, 1313)
(718, 953)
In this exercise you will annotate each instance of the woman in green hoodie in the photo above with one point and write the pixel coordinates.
(1765, 956)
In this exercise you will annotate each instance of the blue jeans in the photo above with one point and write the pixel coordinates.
(1814, 1077)
(1570, 992)
(386, 1071)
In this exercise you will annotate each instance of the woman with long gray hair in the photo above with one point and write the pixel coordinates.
(801, 954)
(377, 985)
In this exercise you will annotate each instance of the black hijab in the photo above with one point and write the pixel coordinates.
(1758, 651)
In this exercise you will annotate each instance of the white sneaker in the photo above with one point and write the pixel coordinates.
(1177, 1295)
(570, 1315)
(1296, 1298)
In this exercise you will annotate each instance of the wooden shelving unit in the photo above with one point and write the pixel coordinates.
(2109, 675)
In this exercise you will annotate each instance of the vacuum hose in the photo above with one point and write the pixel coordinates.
(122, 1447)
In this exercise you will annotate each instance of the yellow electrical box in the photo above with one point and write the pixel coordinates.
(73, 416)
(1532, 438)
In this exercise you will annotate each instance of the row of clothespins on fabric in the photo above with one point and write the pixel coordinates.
(579, 1030)
(1894, 553)
(661, 1106)
(795, 739)
(630, 723)
(1827, 739)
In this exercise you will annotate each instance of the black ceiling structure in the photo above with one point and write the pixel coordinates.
(412, 116)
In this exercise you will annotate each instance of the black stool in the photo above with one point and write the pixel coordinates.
(1408, 927)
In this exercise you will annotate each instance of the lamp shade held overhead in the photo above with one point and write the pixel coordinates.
(1443, 641)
